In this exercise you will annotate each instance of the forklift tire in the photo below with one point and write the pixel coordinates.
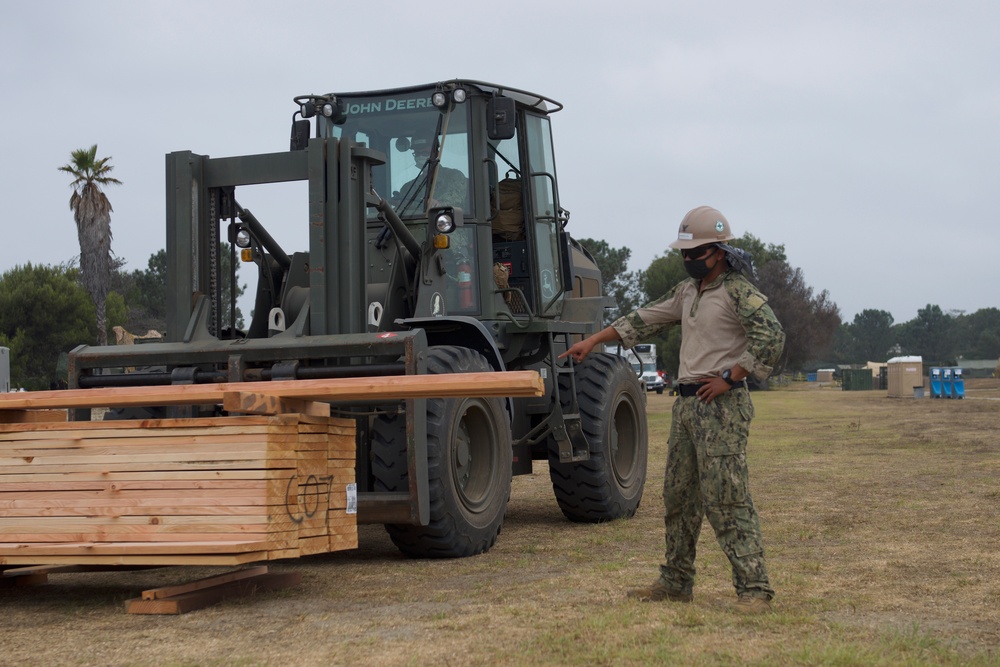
(469, 465)
(613, 415)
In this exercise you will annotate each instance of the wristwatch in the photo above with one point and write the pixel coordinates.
(727, 375)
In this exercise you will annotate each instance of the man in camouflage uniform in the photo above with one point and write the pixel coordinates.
(729, 333)
(449, 186)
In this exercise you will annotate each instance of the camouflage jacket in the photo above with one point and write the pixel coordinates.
(727, 323)
(450, 189)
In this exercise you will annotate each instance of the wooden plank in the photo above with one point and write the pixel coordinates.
(205, 476)
(133, 560)
(268, 404)
(193, 537)
(507, 383)
(122, 483)
(38, 550)
(199, 599)
(342, 542)
(70, 482)
(152, 428)
(198, 584)
(256, 494)
(32, 416)
(71, 441)
(209, 465)
(142, 524)
(109, 513)
(261, 455)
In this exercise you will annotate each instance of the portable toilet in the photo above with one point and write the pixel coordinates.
(946, 382)
(936, 390)
(957, 383)
(906, 375)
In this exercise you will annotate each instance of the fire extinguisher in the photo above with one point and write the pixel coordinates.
(465, 284)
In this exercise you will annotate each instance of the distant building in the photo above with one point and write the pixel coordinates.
(978, 368)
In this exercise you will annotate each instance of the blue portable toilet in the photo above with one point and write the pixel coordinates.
(936, 383)
(957, 383)
(946, 382)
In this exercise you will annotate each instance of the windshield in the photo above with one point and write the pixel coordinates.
(427, 151)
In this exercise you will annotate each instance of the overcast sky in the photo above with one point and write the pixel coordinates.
(863, 136)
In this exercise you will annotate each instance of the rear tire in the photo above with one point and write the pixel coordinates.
(613, 414)
(469, 466)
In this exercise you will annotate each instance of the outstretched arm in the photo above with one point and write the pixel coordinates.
(581, 349)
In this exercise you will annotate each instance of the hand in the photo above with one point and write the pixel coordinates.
(712, 388)
(579, 350)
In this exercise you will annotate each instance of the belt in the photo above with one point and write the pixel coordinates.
(689, 390)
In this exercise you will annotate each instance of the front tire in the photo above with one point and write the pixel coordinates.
(613, 415)
(469, 466)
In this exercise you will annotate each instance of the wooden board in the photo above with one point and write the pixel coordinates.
(507, 383)
(204, 592)
(214, 491)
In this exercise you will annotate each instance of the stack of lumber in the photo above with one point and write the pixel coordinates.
(215, 491)
(277, 482)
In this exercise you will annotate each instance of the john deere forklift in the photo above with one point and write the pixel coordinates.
(437, 244)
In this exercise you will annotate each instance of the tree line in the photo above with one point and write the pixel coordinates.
(46, 311)
(816, 336)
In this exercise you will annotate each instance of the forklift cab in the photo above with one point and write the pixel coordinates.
(479, 148)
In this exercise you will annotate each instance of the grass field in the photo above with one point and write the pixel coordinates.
(881, 518)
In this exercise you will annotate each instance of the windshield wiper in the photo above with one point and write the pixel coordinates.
(425, 178)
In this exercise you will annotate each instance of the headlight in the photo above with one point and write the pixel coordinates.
(444, 223)
(440, 98)
(242, 238)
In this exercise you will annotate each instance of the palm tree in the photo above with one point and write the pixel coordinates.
(92, 212)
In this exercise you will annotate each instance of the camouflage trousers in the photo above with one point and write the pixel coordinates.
(707, 475)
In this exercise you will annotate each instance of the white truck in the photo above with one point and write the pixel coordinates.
(642, 358)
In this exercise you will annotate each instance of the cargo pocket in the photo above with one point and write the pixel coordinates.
(730, 425)
(727, 484)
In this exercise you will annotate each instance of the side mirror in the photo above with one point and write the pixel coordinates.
(500, 116)
(566, 265)
(300, 135)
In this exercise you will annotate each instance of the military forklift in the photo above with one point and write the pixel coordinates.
(437, 244)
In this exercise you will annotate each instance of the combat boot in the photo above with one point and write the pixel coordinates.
(658, 592)
(748, 604)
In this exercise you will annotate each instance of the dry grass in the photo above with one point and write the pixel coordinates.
(881, 522)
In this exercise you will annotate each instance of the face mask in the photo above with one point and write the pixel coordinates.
(697, 268)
